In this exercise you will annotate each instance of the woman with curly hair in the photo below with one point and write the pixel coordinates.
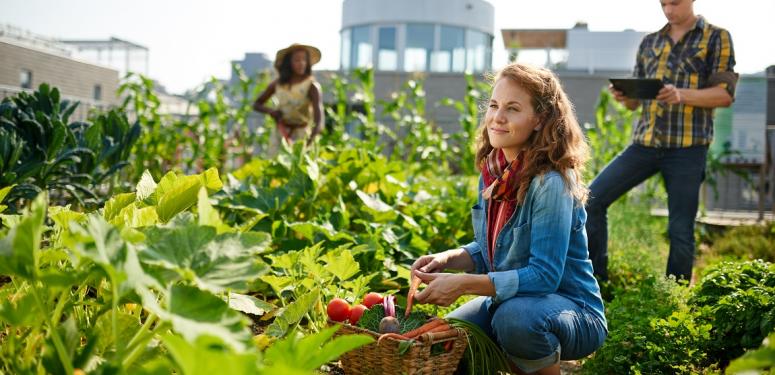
(299, 103)
(528, 262)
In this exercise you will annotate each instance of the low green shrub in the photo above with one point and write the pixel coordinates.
(738, 300)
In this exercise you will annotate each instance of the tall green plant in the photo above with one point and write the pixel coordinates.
(463, 142)
(414, 138)
(160, 145)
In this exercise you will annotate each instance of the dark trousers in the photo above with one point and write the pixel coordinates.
(683, 170)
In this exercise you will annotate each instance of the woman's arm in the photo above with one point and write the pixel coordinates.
(259, 104)
(315, 96)
(445, 288)
(455, 259)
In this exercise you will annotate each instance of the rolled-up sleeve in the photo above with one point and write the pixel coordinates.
(551, 220)
(475, 252)
(722, 71)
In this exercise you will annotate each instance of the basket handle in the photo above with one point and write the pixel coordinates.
(435, 337)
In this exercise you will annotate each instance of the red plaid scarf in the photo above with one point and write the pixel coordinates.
(501, 179)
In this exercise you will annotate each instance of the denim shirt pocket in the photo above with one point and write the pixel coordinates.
(519, 252)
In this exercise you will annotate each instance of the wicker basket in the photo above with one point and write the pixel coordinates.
(384, 358)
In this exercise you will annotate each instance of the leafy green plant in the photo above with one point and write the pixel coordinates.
(746, 242)
(651, 331)
(462, 143)
(762, 358)
(41, 151)
(738, 299)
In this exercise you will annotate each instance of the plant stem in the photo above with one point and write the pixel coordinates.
(137, 350)
(145, 328)
(60, 347)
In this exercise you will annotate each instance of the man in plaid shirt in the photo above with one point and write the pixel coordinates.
(695, 61)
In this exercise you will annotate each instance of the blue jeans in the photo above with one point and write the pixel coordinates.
(683, 170)
(537, 331)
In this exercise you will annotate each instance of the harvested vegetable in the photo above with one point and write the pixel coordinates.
(371, 318)
(427, 327)
(338, 310)
(416, 281)
(389, 303)
(356, 312)
(389, 324)
(372, 299)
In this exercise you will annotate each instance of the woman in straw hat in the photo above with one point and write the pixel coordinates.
(298, 100)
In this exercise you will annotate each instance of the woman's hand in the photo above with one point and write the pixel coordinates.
(431, 263)
(443, 288)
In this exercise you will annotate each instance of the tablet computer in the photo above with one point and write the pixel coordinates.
(638, 88)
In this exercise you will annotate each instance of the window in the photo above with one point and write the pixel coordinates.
(25, 79)
(362, 48)
(478, 47)
(345, 58)
(419, 45)
(97, 92)
(451, 56)
(387, 55)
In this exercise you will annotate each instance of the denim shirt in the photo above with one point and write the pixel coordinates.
(542, 248)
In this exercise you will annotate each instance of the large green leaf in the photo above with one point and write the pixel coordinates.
(102, 243)
(310, 352)
(177, 197)
(146, 187)
(133, 217)
(196, 253)
(127, 326)
(21, 310)
(341, 264)
(194, 313)
(310, 229)
(249, 304)
(205, 356)
(117, 203)
(19, 249)
(379, 210)
(209, 216)
(292, 313)
(4, 191)
(62, 216)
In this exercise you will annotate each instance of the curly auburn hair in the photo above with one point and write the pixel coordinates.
(558, 145)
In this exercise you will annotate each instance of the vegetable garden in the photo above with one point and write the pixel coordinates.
(139, 243)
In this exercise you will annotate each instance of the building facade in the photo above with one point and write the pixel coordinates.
(440, 36)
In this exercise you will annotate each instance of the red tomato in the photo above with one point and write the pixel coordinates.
(356, 313)
(372, 299)
(338, 310)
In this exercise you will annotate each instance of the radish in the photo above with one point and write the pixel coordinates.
(389, 303)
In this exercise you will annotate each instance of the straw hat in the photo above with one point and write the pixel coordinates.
(314, 54)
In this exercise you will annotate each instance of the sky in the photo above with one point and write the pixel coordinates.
(192, 40)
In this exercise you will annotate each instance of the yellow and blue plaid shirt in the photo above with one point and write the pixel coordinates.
(703, 58)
